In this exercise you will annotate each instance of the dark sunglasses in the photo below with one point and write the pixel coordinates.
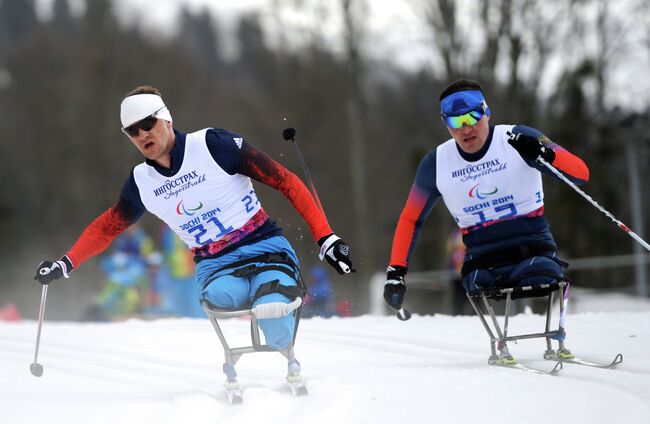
(145, 124)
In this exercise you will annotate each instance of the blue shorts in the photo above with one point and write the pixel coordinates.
(224, 290)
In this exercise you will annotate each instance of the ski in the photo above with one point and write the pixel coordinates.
(579, 361)
(518, 366)
(295, 380)
(233, 392)
(297, 385)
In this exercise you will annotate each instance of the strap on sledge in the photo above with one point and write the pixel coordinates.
(510, 255)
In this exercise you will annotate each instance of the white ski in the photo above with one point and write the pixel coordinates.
(579, 361)
(554, 371)
(297, 385)
(233, 392)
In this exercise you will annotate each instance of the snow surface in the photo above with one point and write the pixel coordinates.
(369, 369)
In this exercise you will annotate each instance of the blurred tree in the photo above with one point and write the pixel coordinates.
(353, 12)
(17, 19)
(440, 15)
(61, 16)
(200, 35)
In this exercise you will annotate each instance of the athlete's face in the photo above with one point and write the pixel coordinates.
(156, 143)
(470, 138)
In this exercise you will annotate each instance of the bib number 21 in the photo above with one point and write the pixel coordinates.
(200, 231)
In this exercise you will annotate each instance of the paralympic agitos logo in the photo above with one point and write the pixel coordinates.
(182, 210)
(475, 192)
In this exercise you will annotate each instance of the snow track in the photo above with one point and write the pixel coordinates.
(358, 370)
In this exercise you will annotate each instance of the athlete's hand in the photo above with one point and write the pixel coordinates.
(337, 253)
(395, 287)
(49, 271)
(530, 148)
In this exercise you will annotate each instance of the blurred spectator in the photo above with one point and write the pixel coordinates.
(125, 291)
(343, 308)
(181, 269)
(135, 242)
(160, 295)
(126, 285)
(455, 249)
(319, 301)
(9, 312)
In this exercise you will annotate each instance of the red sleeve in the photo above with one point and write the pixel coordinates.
(99, 235)
(261, 167)
(408, 227)
(570, 164)
(422, 197)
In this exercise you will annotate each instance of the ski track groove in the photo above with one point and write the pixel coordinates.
(127, 366)
(584, 374)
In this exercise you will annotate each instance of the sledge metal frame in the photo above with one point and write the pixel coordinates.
(233, 354)
(499, 341)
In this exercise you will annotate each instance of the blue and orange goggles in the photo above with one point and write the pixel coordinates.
(465, 107)
(470, 118)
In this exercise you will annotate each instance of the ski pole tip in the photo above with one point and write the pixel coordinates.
(403, 315)
(36, 369)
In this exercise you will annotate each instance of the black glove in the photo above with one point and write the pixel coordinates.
(337, 253)
(395, 287)
(49, 271)
(530, 148)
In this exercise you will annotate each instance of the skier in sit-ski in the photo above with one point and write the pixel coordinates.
(199, 184)
(491, 182)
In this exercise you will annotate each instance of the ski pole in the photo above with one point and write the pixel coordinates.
(289, 134)
(403, 315)
(595, 204)
(36, 368)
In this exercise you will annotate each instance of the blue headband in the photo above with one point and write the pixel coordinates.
(461, 102)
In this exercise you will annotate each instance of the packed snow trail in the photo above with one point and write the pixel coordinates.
(358, 370)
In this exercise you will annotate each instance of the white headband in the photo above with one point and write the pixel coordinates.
(139, 106)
